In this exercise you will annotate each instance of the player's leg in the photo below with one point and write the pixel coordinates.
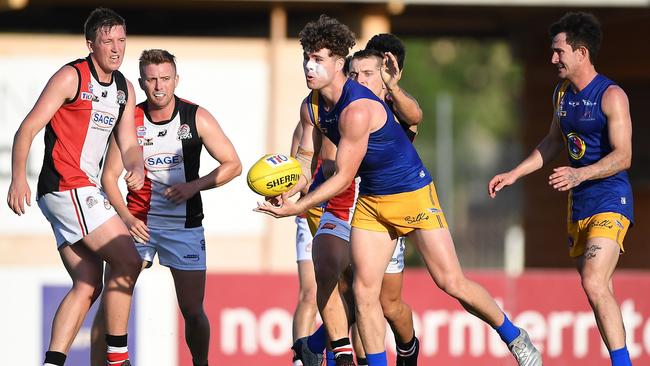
(359, 352)
(305, 314)
(400, 318)
(396, 311)
(85, 270)
(437, 250)
(596, 267)
(331, 259)
(98, 338)
(190, 290)
(371, 253)
(98, 331)
(113, 243)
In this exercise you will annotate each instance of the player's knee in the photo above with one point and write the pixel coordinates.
(307, 296)
(365, 295)
(88, 290)
(391, 307)
(451, 284)
(192, 312)
(595, 288)
(326, 277)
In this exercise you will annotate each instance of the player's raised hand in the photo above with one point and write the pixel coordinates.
(390, 72)
(134, 179)
(18, 194)
(565, 178)
(499, 182)
(280, 206)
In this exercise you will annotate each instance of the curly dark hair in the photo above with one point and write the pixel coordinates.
(387, 42)
(582, 29)
(327, 33)
(101, 18)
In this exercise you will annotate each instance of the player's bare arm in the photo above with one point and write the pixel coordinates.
(220, 148)
(128, 144)
(354, 127)
(616, 107)
(295, 139)
(546, 151)
(61, 87)
(113, 168)
(406, 106)
(306, 152)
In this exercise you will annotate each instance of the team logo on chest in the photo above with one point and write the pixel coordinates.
(121, 97)
(184, 132)
(576, 146)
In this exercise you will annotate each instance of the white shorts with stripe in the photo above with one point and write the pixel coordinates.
(182, 249)
(332, 225)
(75, 213)
(303, 240)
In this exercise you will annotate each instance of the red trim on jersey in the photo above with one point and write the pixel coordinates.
(76, 211)
(342, 204)
(70, 123)
(139, 202)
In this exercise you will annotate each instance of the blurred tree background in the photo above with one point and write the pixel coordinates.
(474, 84)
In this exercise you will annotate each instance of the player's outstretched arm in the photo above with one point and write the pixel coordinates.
(546, 151)
(406, 106)
(354, 127)
(128, 144)
(61, 87)
(220, 148)
(616, 107)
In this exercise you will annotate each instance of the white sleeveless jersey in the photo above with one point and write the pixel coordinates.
(171, 151)
(77, 135)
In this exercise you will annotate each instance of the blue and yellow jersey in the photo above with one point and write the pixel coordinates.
(391, 164)
(584, 127)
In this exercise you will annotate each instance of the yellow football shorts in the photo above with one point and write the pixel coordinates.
(313, 218)
(400, 213)
(609, 225)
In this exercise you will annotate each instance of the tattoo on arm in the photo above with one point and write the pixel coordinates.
(591, 251)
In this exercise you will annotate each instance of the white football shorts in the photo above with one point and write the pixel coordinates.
(75, 213)
(303, 240)
(182, 249)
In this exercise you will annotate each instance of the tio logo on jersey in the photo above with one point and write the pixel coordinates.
(103, 120)
(162, 161)
(277, 160)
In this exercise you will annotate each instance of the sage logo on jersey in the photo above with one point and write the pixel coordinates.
(576, 146)
(103, 120)
(163, 161)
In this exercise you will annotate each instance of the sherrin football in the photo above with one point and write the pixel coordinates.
(273, 175)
